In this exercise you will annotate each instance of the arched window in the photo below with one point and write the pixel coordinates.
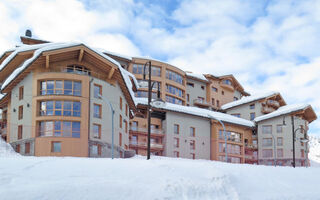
(77, 69)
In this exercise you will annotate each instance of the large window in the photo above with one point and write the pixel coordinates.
(60, 108)
(267, 129)
(267, 142)
(78, 69)
(59, 129)
(267, 153)
(232, 148)
(173, 100)
(138, 69)
(60, 87)
(231, 136)
(174, 76)
(174, 90)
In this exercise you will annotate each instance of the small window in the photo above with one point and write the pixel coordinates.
(218, 103)
(188, 97)
(222, 92)
(192, 132)
(96, 150)
(176, 129)
(267, 129)
(212, 101)
(56, 147)
(21, 93)
(279, 128)
(190, 84)
(97, 131)
(252, 106)
(214, 89)
(267, 142)
(120, 139)
(202, 87)
(126, 127)
(235, 98)
(279, 141)
(18, 148)
(176, 154)
(20, 130)
(27, 148)
(127, 110)
(120, 121)
(120, 103)
(20, 113)
(97, 111)
(176, 142)
(279, 153)
(236, 115)
(97, 91)
(252, 116)
(192, 145)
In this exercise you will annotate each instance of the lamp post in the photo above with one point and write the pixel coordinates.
(294, 140)
(158, 102)
(225, 136)
(112, 119)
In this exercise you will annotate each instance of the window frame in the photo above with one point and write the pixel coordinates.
(99, 116)
(94, 90)
(20, 112)
(53, 146)
(99, 130)
(178, 129)
(21, 92)
(20, 132)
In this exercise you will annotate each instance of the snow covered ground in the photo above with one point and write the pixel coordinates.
(159, 178)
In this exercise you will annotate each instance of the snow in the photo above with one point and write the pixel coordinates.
(201, 112)
(314, 154)
(197, 76)
(115, 54)
(248, 99)
(6, 150)
(282, 111)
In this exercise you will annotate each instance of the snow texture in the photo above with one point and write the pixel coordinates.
(282, 111)
(314, 154)
(115, 54)
(201, 112)
(6, 150)
(249, 99)
(197, 76)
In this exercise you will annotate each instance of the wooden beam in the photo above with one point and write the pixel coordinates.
(62, 50)
(47, 61)
(111, 72)
(80, 55)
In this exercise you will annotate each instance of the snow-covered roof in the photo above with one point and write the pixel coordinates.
(197, 76)
(40, 48)
(248, 99)
(115, 54)
(201, 113)
(283, 111)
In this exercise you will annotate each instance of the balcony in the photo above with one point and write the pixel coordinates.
(251, 146)
(201, 103)
(273, 103)
(267, 110)
(143, 145)
(144, 131)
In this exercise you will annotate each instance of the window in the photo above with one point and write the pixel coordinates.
(279, 128)
(120, 121)
(97, 90)
(190, 84)
(202, 87)
(227, 82)
(20, 113)
(279, 141)
(58, 87)
(214, 89)
(127, 110)
(21, 93)
(192, 145)
(212, 101)
(145, 94)
(252, 106)
(236, 115)
(96, 111)
(267, 129)
(279, 153)
(56, 147)
(267, 142)
(218, 103)
(174, 90)
(235, 98)
(96, 150)
(138, 69)
(252, 116)
(134, 126)
(20, 130)
(176, 142)
(134, 140)
(176, 129)
(302, 153)
(232, 148)
(120, 103)
(231, 136)
(174, 76)
(78, 69)
(126, 127)
(192, 132)
(97, 131)
(222, 92)
(120, 139)
(267, 153)
(173, 100)
(192, 156)
(27, 148)
(60, 108)
(188, 97)
(176, 154)
(18, 148)
(59, 129)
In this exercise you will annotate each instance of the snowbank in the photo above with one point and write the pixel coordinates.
(6, 150)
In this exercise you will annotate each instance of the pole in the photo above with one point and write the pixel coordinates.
(293, 144)
(149, 110)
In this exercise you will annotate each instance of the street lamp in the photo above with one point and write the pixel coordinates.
(305, 140)
(106, 101)
(225, 136)
(157, 102)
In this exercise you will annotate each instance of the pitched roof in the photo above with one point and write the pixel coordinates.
(307, 112)
(199, 77)
(201, 113)
(249, 99)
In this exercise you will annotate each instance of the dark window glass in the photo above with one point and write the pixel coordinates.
(59, 87)
(67, 108)
(57, 128)
(68, 87)
(67, 129)
(77, 88)
(76, 109)
(76, 129)
(58, 108)
(50, 87)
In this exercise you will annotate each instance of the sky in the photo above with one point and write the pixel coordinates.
(266, 45)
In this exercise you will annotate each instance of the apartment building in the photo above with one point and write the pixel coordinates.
(282, 134)
(52, 104)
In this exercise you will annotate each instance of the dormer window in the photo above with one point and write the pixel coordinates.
(77, 69)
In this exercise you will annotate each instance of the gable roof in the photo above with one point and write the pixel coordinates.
(250, 99)
(126, 77)
(201, 113)
(303, 109)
